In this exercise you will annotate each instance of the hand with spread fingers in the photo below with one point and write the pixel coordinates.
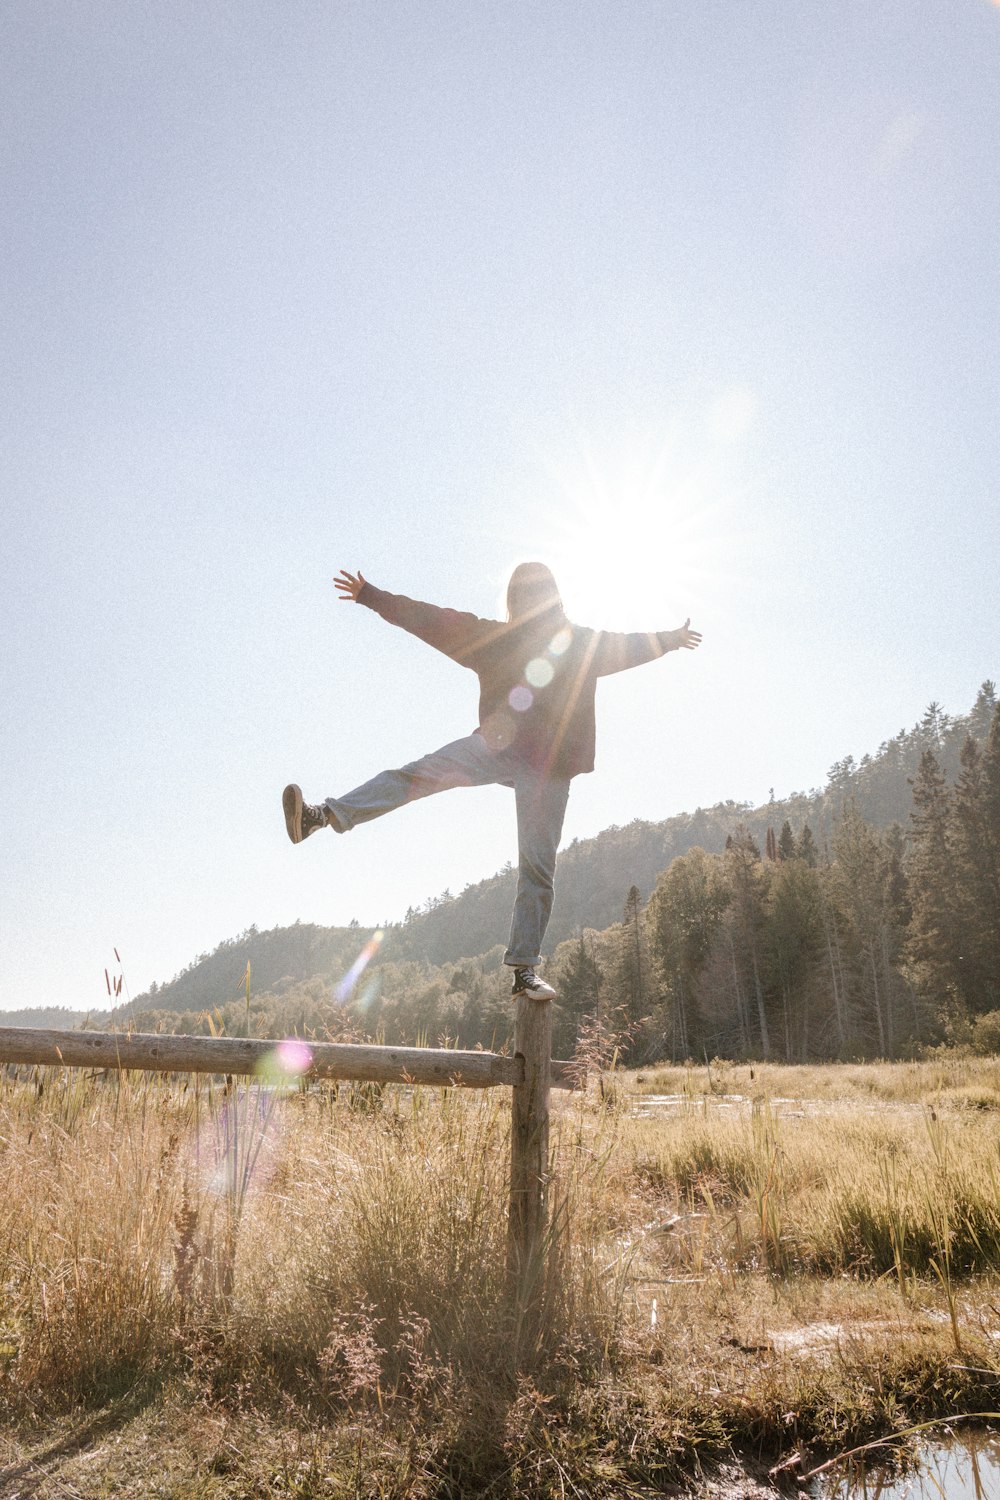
(686, 639)
(349, 586)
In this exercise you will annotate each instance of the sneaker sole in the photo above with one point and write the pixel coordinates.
(291, 802)
(547, 994)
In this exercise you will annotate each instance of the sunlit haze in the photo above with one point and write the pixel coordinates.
(696, 303)
(651, 532)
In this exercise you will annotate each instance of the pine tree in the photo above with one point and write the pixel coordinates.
(631, 974)
(807, 850)
(748, 887)
(991, 826)
(792, 944)
(683, 922)
(934, 930)
(577, 979)
(983, 710)
(786, 842)
(975, 833)
(865, 882)
(834, 966)
(974, 894)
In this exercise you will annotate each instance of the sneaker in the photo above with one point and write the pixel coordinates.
(301, 818)
(527, 982)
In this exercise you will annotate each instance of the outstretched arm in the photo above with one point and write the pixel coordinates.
(616, 652)
(457, 634)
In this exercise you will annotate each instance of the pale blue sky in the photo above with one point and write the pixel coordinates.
(697, 302)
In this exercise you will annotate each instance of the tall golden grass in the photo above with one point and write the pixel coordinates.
(801, 1256)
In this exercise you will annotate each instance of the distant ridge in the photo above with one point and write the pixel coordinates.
(594, 876)
(47, 1017)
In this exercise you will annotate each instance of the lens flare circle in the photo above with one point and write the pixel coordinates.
(294, 1057)
(539, 672)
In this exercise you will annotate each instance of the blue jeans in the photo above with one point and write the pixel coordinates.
(541, 807)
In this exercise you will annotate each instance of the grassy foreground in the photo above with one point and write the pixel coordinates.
(212, 1293)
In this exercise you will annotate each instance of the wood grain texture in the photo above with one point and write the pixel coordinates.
(249, 1055)
(529, 1142)
(150, 1052)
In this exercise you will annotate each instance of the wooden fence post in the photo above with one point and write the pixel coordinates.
(529, 1143)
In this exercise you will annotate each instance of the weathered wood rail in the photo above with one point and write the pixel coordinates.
(530, 1073)
(152, 1052)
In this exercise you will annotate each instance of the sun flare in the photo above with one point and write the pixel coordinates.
(641, 539)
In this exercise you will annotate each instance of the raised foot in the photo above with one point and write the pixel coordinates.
(301, 818)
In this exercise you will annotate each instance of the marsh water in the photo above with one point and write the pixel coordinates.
(965, 1467)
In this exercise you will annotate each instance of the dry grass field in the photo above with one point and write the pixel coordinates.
(249, 1292)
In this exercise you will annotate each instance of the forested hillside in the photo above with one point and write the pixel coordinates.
(595, 875)
(860, 919)
(276, 958)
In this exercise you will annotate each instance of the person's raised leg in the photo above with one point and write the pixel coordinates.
(465, 762)
(541, 808)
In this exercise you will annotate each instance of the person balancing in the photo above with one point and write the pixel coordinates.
(537, 683)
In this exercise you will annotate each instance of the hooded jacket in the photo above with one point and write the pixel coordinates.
(537, 676)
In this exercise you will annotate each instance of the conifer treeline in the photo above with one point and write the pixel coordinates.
(882, 942)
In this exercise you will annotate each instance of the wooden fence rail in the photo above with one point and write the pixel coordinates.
(154, 1052)
(529, 1073)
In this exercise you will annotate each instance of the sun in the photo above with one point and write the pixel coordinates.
(640, 539)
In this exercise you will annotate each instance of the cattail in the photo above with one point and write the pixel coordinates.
(107, 981)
